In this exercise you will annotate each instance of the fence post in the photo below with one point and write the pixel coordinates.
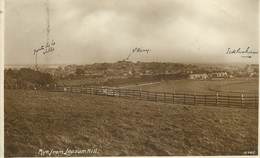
(242, 99)
(184, 98)
(228, 100)
(217, 98)
(123, 92)
(205, 99)
(127, 93)
(140, 94)
(114, 92)
(94, 91)
(173, 98)
(164, 97)
(107, 91)
(256, 104)
(155, 96)
(194, 98)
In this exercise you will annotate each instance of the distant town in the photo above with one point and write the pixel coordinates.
(135, 72)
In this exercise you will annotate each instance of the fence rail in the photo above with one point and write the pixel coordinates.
(241, 101)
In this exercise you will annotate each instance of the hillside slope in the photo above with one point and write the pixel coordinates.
(115, 126)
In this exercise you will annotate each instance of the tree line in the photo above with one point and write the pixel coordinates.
(26, 78)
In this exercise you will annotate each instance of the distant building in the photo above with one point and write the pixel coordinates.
(252, 70)
(148, 72)
(198, 76)
(253, 74)
(189, 72)
(219, 75)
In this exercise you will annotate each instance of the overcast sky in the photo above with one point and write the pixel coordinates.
(89, 31)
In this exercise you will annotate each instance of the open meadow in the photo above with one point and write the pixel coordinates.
(207, 86)
(239, 85)
(116, 126)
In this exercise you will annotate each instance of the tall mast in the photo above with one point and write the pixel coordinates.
(48, 21)
(36, 62)
(47, 32)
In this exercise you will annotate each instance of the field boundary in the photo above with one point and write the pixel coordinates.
(218, 100)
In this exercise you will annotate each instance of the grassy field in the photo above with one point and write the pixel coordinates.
(241, 85)
(116, 126)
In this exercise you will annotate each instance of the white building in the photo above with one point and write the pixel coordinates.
(219, 75)
(198, 76)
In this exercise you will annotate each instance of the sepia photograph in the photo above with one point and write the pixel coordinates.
(91, 78)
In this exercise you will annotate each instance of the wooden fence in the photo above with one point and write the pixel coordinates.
(231, 100)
